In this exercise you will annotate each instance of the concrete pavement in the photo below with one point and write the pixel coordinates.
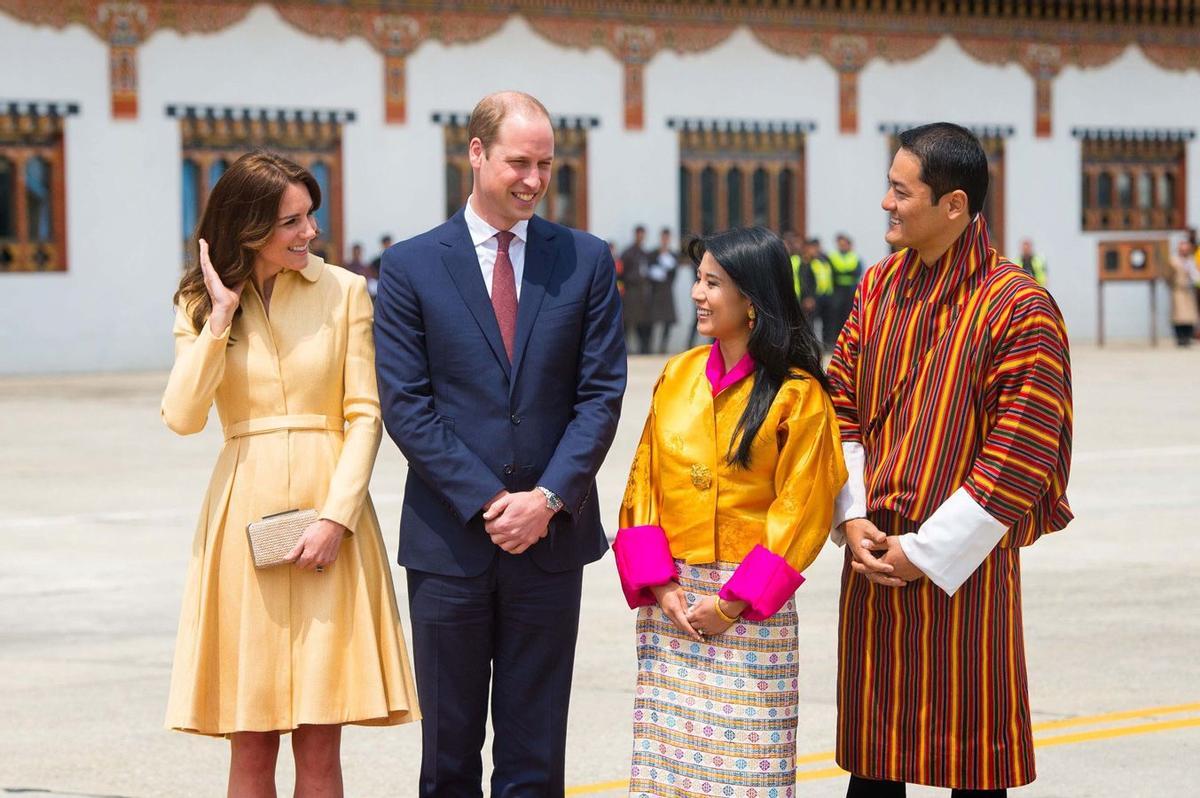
(99, 503)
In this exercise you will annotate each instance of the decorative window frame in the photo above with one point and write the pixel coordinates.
(570, 166)
(731, 155)
(30, 131)
(312, 138)
(1127, 161)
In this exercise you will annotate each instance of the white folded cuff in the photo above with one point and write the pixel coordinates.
(954, 541)
(851, 500)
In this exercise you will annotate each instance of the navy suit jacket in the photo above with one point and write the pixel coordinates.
(470, 423)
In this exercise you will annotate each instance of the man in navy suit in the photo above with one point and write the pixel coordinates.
(501, 365)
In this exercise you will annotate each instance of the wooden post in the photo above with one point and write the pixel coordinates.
(1154, 313)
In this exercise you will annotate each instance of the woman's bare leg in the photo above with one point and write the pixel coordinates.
(252, 758)
(318, 753)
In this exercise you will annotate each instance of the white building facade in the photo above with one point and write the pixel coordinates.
(392, 80)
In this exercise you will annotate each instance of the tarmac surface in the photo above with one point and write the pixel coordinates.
(99, 503)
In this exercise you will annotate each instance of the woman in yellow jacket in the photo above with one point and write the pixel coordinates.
(729, 499)
(282, 343)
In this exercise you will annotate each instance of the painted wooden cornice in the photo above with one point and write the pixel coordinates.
(1042, 36)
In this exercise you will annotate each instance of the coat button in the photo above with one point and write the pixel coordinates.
(514, 418)
(508, 470)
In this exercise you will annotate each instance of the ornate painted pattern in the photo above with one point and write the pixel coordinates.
(716, 718)
(1042, 39)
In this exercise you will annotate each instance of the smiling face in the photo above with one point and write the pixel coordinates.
(912, 216)
(514, 173)
(722, 311)
(914, 220)
(295, 227)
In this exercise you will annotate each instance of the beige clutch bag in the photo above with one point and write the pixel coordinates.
(274, 537)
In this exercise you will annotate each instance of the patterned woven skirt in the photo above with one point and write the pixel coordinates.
(716, 718)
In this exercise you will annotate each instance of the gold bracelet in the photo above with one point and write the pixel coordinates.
(720, 612)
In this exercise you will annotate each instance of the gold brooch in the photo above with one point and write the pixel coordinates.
(701, 477)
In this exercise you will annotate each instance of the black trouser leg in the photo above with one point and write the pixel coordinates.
(872, 788)
(537, 621)
(666, 334)
(453, 622)
(644, 332)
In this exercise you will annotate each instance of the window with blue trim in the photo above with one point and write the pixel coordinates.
(737, 173)
(32, 188)
(214, 138)
(1132, 179)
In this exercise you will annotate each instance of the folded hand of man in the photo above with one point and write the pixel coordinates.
(515, 521)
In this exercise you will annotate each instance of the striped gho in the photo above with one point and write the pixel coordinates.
(950, 375)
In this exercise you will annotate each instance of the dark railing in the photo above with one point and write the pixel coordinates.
(1130, 12)
(1132, 219)
(34, 256)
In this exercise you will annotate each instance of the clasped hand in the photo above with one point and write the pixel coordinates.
(318, 544)
(515, 521)
(699, 619)
(891, 567)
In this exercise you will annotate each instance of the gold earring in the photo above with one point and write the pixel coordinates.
(752, 316)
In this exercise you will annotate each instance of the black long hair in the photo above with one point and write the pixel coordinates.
(782, 343)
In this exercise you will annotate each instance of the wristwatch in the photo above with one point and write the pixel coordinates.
(553, 503)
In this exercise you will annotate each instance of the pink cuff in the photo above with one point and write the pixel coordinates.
(764, 581)
(643, 561)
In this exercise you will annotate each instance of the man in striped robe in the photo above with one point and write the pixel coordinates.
(952, 386)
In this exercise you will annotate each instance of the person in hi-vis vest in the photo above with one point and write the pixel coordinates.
(1033, 263)
(847, 270)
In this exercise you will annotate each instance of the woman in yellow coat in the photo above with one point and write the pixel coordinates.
(282, 343)
(730, 498)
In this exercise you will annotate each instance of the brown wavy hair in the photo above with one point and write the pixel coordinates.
(237, 222)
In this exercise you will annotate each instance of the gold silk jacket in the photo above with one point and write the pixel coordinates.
(711, 510)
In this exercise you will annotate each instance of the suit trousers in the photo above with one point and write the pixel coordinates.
(513, 629)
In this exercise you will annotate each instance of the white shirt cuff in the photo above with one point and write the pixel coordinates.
(851, 500)
(954, 541)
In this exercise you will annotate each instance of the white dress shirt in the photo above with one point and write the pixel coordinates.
(483, 236)
(949, 546)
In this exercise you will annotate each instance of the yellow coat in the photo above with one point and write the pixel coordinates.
(713, 511)
(271, 649)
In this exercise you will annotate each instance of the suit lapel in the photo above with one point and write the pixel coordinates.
(540, 255)
(460, 260)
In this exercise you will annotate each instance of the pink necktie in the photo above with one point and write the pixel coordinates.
(504, 292)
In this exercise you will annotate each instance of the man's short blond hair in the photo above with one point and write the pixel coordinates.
(492, 110)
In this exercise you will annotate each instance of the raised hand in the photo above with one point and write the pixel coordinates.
(224, 300)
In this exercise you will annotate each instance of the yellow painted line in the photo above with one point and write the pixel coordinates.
(808, 759)
(603, 786)
(815, 775)
(1043, 742)
(1126, 715)
(1119, 731)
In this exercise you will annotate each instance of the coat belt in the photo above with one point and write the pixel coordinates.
(257, 426)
